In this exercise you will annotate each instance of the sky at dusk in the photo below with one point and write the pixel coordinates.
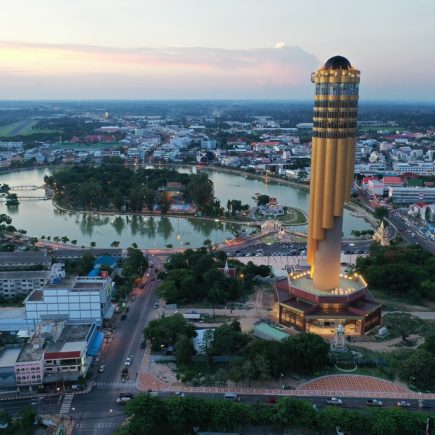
(221, 49)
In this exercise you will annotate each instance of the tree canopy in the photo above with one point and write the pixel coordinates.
(400, 271)
(197, 275)
(154, 416)
(115, 186)
(166, 331)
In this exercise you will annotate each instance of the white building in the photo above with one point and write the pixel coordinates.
(411, 195)
(14, 283)
(418, 168)
(74, 298)
(375, 187)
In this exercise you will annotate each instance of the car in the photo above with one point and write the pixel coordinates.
(232, 396)
(374, 402)
(156, 305)
(123, 316)
(143, 345)
(179, 394)
(124, 373)
(124, 398)
(334, 401)
(128, 361)
(101, 368)
(127, 309)
(404, 404)
(272, 400)
(77, 387)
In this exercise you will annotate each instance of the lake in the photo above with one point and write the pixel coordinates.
(41, 218)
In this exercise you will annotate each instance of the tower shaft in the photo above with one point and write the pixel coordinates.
(332, 166)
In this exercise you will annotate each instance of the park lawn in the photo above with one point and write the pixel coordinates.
(391, 303)
(294, 216)
(199, 372)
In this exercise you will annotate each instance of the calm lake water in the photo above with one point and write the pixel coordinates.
(41, 218)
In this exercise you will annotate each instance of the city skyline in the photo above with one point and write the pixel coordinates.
(201, 50)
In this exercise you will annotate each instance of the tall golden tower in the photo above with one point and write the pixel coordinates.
(332, 166)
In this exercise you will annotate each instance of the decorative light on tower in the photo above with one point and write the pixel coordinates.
(332, 166)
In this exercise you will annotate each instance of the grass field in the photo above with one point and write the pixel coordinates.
(294, 216)
(22, 128)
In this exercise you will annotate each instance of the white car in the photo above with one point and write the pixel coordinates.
(128, 361)
(334, 401)
(404, 404)
(179, 394)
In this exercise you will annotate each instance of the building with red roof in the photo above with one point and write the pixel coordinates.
(392, 181)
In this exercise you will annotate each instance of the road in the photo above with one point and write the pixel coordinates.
(402, 227)
(397, 220)
(98, 412)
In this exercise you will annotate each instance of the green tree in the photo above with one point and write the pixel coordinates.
(263, 200)
(419, 369)
(5, 224)
(184, 349)
(4, 416)
(26, 418)
(164, 332)
(147, 415)
(290, 412)
(381, 213)
(309, 352)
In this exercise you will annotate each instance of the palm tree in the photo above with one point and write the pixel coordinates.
(64, 239)
(134, 245)
(56, 239)
(42, 237)
(74, 242)
(93, 244)
(48, 238)
(115, 244)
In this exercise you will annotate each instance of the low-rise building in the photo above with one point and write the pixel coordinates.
(410, 195)
(8, 358)
(73, 298)
(57, 352)
(19, 260)
(16, 283)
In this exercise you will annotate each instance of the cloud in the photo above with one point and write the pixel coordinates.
(280, 45)
(78, 71)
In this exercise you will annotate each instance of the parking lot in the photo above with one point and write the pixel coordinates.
(282, 249)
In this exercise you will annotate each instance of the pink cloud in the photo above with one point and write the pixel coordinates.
(175, 72)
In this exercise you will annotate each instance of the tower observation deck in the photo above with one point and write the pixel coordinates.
(332, 166)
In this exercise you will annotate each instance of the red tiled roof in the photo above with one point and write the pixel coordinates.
(392, 180)
(61, 355)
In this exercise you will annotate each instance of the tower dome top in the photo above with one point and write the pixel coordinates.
(337, 62)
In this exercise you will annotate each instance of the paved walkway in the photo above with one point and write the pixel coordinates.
(333, 385)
